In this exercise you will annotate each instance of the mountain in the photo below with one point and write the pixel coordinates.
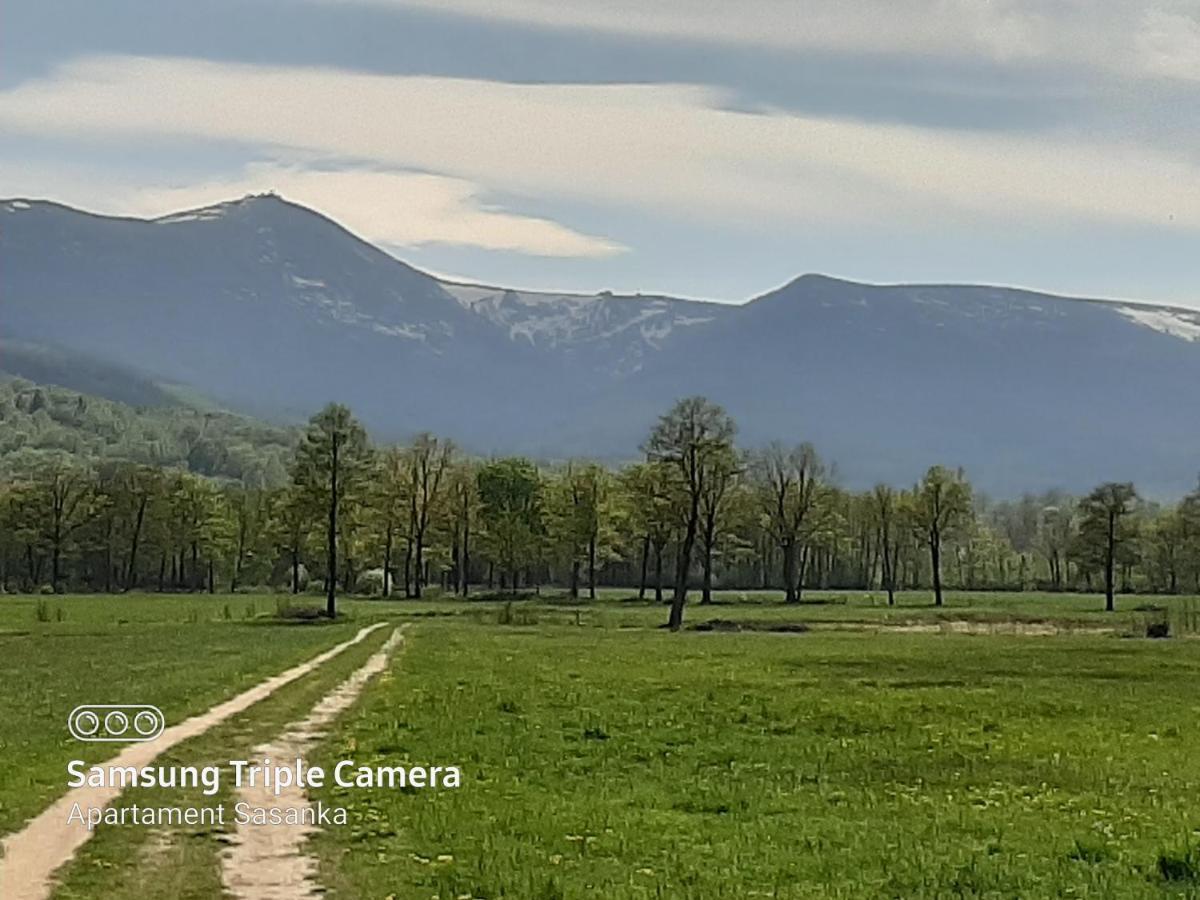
(267, 307)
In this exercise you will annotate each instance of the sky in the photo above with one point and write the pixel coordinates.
(689, 147)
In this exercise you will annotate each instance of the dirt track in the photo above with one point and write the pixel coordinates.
(47, 842)
(268, 862)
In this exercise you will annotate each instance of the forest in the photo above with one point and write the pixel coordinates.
(94, 497)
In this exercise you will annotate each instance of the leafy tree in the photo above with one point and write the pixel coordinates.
(510, 495)
(429, 459)
(1105, 529)
(693, 439)
(791, 485)
(331, 463)
(716, 494)
(885, 514)
(648, 496)
(391, 506)
(252, 514)
(292, 518)
(938, 506)
(464, 512)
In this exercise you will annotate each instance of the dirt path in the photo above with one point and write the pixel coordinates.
(267, 862)
(33, 854)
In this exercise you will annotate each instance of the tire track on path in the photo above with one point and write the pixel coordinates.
(47, 841)
(267, 862)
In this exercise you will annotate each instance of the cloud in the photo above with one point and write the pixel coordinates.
(1122, 35)
(1169, 44)
(400, 209)
(404, 209)
(663, 148)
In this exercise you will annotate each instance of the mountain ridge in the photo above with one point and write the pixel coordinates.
(272, 309)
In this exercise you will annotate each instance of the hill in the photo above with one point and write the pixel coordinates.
(37, 421)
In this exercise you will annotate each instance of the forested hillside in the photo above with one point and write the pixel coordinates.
(38, 422)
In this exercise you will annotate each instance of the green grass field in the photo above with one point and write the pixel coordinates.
(878, 754)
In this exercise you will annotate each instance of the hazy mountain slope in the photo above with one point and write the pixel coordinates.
(1024, 389)
(76, 371)
(271, 308)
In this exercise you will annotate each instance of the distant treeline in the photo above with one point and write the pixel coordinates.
(697, 514)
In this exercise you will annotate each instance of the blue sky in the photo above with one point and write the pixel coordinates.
(706, 149)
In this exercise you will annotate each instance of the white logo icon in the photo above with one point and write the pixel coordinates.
(113, 722)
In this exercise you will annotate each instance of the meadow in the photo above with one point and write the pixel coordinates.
(865, 751)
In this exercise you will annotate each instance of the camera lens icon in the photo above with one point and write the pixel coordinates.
(116, 722)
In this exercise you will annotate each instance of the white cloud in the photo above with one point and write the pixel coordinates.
(399, 208)
(1169, 44)
(653, 147)
(1121, 35)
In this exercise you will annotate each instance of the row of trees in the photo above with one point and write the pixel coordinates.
(695, 514)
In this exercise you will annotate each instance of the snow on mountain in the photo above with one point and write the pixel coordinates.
(1175, 322)
(627, 326)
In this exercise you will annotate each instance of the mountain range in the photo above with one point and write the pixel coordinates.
(266, 307)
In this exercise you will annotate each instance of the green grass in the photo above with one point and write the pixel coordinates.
(181, 654)
(641, 764)
(603, 756)
(134, 863)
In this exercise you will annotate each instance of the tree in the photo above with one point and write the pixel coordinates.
(715, 496)
(791, 485)
(429, 458)
(464, 510)
(692, 438)
(938, 506)
(391, 507)
(331, 461)
(648, 496)
(510, 495)
(60, 500)
(1104, 529)
(291, 523)
(885, 514)
(252, 515)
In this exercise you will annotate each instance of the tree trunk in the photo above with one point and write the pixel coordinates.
(331, 537)
(131, 569)
(706, 589)
(658, 573)
(592, 569)
(645, 563)
(418, 564)
(789, 572)
(387, 562)
(935, 560)
(683, 567)
(466, 555)
(1109, 562)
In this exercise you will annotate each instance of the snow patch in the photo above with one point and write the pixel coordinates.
(1167, 321)
(195, 215)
